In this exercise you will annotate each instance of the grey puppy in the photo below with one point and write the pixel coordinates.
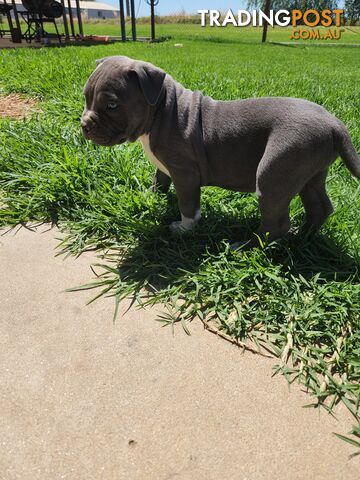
(277, 147)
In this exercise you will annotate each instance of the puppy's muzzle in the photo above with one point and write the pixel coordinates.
(88, 123)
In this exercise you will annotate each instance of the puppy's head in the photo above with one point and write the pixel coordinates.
(119, 97)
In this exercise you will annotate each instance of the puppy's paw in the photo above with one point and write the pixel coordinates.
(176, 227)
(185, 224)
(179, 227)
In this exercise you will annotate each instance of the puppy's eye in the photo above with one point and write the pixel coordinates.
(112, 106)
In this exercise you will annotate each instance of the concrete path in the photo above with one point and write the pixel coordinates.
(82, 398)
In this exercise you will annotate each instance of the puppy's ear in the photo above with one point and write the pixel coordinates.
(99, 61)
(151, 81)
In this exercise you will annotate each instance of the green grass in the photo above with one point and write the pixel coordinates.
(299, 298)
(230, 34)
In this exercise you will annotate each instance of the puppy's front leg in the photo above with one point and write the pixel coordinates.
(188, 193)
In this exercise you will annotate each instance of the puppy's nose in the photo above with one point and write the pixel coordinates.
(85, 126)
(87, 121)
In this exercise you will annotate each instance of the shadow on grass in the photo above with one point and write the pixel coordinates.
(316, 254)
(160, 258)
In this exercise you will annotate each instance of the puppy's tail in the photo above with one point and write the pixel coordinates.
(346, 149)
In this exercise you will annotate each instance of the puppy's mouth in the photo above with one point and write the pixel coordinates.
(109, 142)
(105, 140)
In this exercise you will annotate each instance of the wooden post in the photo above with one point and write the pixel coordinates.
(122, 21)
(78, 14)
(14, 32)
(16, 16)
(66, 27)
(267, 6)
(133, 20)
(71, 19)
(152, 10)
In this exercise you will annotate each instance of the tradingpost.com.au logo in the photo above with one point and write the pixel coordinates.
(282, 18)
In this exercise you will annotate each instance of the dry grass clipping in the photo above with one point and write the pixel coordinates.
(17, 106)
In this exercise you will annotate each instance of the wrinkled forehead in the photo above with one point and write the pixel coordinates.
(108, 77)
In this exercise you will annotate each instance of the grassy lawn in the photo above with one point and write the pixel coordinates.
(300, 298)
(220, 35)
(230, 34)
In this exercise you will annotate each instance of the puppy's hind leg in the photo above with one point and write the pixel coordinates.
(274, 223)
(275, 220)
(275, 189)
(316, 202)
(161, 182)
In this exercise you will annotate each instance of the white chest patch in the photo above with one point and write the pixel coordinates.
(146, 146)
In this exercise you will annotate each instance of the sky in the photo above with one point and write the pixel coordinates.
(191, 6)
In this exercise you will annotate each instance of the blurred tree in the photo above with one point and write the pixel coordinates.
(352, 11)
(267, 5)
(299, 4)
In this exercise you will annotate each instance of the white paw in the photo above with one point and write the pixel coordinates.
(185, 224)
(178, 227)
